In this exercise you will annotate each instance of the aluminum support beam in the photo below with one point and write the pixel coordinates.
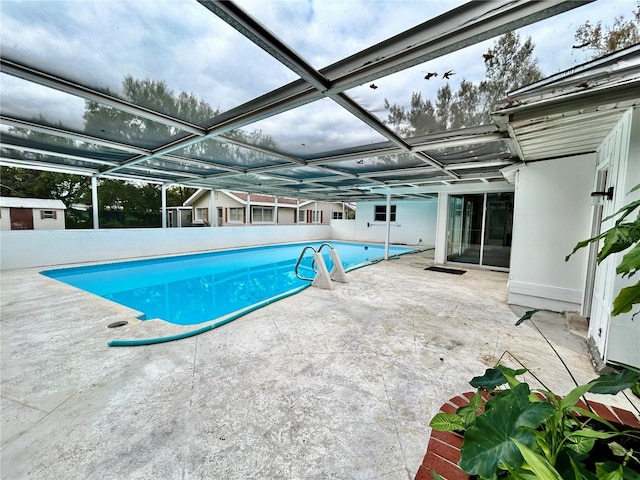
(387, 235)
(94, 202)
(163, 195)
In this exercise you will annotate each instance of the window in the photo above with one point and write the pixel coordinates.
(262, 214)
(317, 216)
(337, 215)
(381, 213)
(236, 215)
(202, 214)
(302, 216)
(48, 214)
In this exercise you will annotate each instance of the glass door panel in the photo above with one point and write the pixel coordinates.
(496, 249)
(465, 228)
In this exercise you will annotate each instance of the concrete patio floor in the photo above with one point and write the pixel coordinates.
(324, 384)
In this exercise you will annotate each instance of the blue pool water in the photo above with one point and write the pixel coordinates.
(192, 289)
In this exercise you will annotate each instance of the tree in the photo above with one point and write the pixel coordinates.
(509, 64)
(608, 39)
(126, 203)
(177, 195)
(103, 120)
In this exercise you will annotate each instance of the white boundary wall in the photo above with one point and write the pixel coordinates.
(44, 248)
(552, 213)
(415, 221)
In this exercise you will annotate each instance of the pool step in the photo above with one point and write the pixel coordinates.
(323, 278)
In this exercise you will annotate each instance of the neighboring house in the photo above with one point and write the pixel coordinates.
(232, 208)
(31, 214)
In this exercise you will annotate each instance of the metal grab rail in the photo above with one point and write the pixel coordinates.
(313, 262)
(300, 260)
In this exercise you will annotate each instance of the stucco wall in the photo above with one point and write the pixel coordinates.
(33, 248)
(415, 224)
(552, 213)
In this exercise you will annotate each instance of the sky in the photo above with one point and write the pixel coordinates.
(192, 50)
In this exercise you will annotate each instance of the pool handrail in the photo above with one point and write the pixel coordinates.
(308, 247)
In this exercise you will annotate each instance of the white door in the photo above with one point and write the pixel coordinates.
(604, 274)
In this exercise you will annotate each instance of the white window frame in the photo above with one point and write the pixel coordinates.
(201, 214)
(337, 215)
(239, 210)
(48, 215)
(258, 214)
(302, 216)
(316, 216)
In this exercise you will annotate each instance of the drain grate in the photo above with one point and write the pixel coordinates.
(452, 271)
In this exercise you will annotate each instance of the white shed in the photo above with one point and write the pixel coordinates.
(31, 214)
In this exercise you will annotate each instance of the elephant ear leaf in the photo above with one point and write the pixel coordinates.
(612, 383)
(491, 379)
(489, 441)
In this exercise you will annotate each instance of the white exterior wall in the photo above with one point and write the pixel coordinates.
(30, 248)
(623, 333)
(57, 223)
(324, 207)
(552, 213)
(286, 212)
(286, 216)
(39, 223)
(345, 230)
(415, 223)
(5, 219)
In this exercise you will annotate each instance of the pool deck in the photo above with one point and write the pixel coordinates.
(335, 383)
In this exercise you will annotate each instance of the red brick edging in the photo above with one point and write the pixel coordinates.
(443, 450)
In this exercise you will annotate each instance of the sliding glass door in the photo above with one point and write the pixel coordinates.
(480, 228)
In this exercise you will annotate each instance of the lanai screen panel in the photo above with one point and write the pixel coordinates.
(122, 47)
(281, 97)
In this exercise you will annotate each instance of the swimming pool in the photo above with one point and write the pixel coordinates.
(192, 289)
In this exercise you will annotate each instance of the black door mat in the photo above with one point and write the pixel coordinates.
(446, 270)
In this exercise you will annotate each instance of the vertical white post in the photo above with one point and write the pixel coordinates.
(275, 210)
(94, 202)
(213, 215)
(248, 210)
(387, 236)
(164, 205)
(315, 213)
(297, 211)
(442, 229)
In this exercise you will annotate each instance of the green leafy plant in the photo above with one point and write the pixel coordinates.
(620, 237)
(518, 433)
(523, 434)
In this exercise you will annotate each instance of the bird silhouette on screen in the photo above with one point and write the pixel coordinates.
(429, 75)
(448, 74)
